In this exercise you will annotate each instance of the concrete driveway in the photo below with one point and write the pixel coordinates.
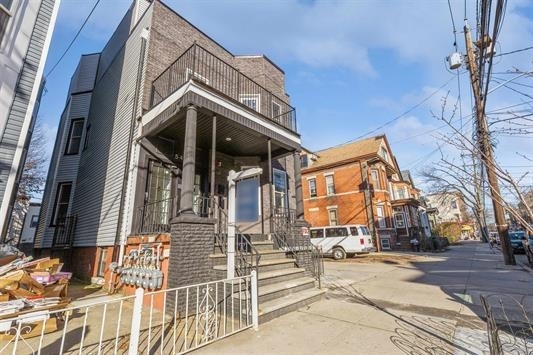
(400, 303)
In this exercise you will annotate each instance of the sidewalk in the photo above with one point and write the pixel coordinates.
(430, 305)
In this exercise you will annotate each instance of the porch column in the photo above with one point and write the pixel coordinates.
(298, 186)
(189, 158)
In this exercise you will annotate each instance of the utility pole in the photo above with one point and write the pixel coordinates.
(487, 156)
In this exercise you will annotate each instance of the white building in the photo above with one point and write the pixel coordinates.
(26, 28)
(451, 206)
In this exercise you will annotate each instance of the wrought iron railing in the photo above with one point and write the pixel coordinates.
(247, 257)
(154, 217)
(64, 232)
(200, 65)
(305, 253)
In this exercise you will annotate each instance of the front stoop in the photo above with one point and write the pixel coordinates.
(282, 286)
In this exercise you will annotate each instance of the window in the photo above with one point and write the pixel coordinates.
(253, 101)
(330, 185)
(276, 111)
(399, 220)
(332, 213)
(454, 204)
(382, 222)
(317, 233)
(102, 262)
(280, 189)
(304, 162)
(400, 193)
(375, 179)
(62, 201)
(74, 137)
(5, 6)
(353, 231)
(34, 220)
(87, 131)
(312, 187)
(336, 232)
(384, 154)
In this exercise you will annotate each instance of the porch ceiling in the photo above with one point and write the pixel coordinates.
(231, 137)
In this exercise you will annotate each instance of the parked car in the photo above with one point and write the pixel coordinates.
(516, 238)
(528, 249)
(339, 241)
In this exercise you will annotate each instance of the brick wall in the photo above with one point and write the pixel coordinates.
(190, 245)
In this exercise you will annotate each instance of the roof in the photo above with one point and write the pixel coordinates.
(348, 151)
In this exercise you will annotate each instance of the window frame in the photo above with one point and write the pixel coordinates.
(54, 220)
(336, 220)
(68, 146)
(311, 194)
(284, 194)
(381, 218)
(375, 178)
(34, 221)
(328, 185)
(87, 136)
(276, 117)
(402, 215)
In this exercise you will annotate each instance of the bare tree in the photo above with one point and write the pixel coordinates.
(34, 172)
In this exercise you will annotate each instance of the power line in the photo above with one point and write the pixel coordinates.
(73, 39)
(515, 51)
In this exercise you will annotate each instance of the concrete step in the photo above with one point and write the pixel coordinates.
(271, 277)
(266, 265)
(264, 245)
(219, 258)
(280, 289)
(275, 308)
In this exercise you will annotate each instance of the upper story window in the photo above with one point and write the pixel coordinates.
(62, 202)
(454, 204)
(375, 179)
(253, 101)
(401, 193)
(34, 220)
(312, 187)
(87, 135)
(304, 161)
(5, 15)
(399, 220)
(384, 154)
(74, 137)
(333, 221)
(330, 185)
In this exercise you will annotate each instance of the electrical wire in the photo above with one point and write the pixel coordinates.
(453, 26)
(515, 51)
(73, 39)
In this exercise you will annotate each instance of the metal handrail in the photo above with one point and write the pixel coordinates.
(64, 231)
(305, 253)
(154, 217)
(246, 255)
(202, 66)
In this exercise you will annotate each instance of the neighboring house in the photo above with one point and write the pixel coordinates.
(26, 28)
(152, 127)
(360, 183)
(451, 206)
(27, 234)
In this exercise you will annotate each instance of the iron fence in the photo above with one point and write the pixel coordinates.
(172, 321)
(200, 65)
(509, 324)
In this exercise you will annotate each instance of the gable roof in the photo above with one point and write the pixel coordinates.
(348, 151)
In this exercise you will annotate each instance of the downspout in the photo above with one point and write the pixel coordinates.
(120, 239)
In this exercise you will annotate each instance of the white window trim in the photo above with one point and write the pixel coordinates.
(309, 188)
(313, 209)
(311, 177)
(278, 116)
(331, 207)
(251, 96)
(329, 173)
(326, 182)
(403, 218)
(336, 216)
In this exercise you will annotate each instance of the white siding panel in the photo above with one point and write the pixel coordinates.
(101, 173)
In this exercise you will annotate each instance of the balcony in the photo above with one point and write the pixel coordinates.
(204, 68)
(64, 232)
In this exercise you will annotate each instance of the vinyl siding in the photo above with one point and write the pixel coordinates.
(65, 167)
(101, 174)
(14, 133)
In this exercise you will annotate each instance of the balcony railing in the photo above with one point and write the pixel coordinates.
(64, 232)
(202, 66)
(154, 217)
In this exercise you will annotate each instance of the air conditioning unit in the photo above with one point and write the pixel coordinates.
(455, 60)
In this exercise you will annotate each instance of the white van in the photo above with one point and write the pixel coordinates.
(339, 241)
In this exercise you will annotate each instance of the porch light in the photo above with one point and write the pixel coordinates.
(228, 139)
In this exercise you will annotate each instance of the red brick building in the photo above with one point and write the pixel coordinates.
(361, 183)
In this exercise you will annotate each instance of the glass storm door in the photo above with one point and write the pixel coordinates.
(159, 192)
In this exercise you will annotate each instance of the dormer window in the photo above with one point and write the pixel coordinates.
(384, 154)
